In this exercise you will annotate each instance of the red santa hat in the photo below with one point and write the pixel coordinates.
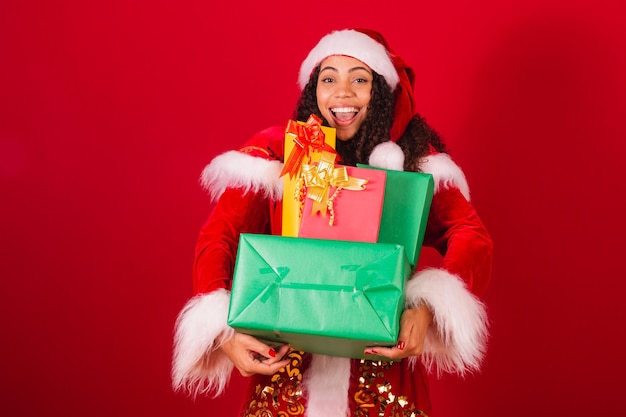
(371, 48)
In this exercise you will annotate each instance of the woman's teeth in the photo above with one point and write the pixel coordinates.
(344, 112)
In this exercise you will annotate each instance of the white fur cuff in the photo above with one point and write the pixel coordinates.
(456, 342)
(196, 366)
(235, 169)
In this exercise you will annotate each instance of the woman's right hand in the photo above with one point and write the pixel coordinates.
(251, 356)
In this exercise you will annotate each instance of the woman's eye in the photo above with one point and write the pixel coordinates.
(327, 80)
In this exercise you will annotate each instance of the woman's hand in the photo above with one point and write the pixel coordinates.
(413, 326)
(251, 356)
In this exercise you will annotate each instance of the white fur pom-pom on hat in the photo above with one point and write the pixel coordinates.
(387, 155)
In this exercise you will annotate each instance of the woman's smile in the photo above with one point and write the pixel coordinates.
(344, 115)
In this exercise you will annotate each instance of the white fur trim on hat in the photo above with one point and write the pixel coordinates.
(445, 173)
(457, 341)
(387, 155)
(197, 365)
(356, 45)
(325, 386)
(239, 170)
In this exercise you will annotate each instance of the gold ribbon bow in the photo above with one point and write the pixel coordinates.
(319, 178)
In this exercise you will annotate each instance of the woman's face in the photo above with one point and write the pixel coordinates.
(344, 90)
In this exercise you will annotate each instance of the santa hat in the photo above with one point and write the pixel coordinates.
(371, 48)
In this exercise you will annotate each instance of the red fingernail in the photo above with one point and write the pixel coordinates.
(272, 353)
(371, 352)
(400, 345)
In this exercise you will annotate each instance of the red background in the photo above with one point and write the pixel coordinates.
(110, 110)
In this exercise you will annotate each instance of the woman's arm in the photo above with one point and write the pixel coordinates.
(445, 322)
(244, 184)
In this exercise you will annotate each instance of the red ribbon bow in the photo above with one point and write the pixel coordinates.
(306, 137)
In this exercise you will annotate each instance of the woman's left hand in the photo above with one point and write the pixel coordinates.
(413, 326)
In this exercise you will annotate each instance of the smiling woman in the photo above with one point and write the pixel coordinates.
(344, 91)
(353, 82)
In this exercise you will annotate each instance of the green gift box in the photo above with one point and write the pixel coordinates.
(320, 296)
(408, 196)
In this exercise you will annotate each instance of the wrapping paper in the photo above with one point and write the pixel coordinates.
(408, 196)
(320, 296)
(300, 150)
(355, 214)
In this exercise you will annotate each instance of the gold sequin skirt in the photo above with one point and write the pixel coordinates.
(377, 389)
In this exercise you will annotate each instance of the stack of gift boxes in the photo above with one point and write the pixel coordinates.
(333, 283)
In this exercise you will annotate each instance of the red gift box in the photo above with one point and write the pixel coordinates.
(353, 213)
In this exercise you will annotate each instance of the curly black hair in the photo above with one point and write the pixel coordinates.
(375, 129)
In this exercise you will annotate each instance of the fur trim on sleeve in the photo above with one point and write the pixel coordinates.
(239, 170)
(456, 342)
(201, 325)
(445, 173)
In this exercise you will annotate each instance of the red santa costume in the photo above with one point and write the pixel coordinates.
(247, 187)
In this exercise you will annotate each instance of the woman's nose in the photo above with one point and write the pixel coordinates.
(343, 89)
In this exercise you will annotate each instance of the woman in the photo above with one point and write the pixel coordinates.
(357, 85)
